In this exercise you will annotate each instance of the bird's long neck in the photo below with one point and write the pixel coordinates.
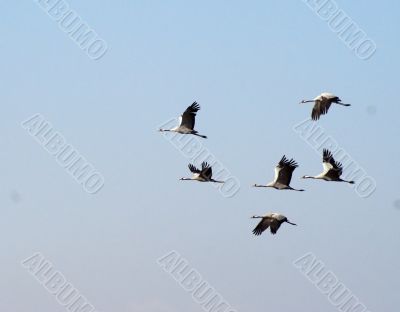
(216, 181)
(290, 223)
(343, 104)
(259, 185)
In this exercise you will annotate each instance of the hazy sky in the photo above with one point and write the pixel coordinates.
(248, 64)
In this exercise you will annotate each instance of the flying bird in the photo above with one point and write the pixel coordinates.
(332, 169)
(322, 104)
(203, 175)
(272, 220)
(187, 121)
(283, 175)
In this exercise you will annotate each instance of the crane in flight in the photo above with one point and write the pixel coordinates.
(283, 175)
(202, 175)
(187, 121)
(332, 169)
(322, 103)
(271, 220)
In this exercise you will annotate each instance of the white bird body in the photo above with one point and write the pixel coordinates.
(322, 103)
(275, 215)
(187, 121)
(283, 175)
(272, 220)
(332, 169)
(182, 130)
(197, 177)
(325, 95)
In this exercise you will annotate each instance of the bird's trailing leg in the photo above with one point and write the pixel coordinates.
(343, 104)
(202, 136)
(293, 189)
(199, 135)
(350, 182)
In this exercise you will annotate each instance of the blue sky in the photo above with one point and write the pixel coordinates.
(248, 64)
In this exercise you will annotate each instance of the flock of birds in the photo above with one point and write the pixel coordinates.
(332, 169)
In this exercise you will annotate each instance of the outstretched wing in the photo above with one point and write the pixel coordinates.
(321, 107)
(332, 168)
(206, 170)
(262, 226)
(274, 226)
(188, 118)
(193, 169)
(284, 170)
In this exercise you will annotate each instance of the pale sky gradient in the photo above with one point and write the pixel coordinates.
(248, 64)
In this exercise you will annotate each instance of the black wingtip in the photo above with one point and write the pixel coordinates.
(193, 168)
(195, 106)
(327, 153)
